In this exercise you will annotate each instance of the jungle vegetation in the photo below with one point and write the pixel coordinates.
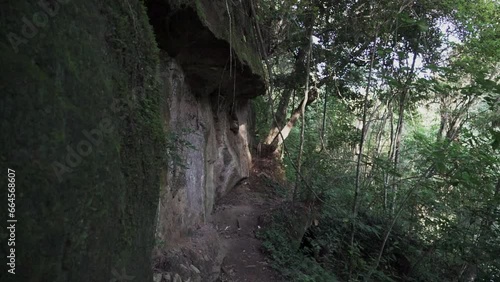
(386, 117)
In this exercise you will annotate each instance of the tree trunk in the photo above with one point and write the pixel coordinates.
(278, 133)
(397, 148)
(302, 113)
(389, 157)
(285, 131)
(279, 117)
(364, 129)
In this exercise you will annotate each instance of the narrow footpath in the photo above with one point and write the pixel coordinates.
(236, 219)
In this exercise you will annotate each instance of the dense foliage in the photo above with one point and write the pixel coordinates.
(389, 112)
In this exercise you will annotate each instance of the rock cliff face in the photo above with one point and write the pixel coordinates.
(210, 155)
(85, 117)
(210, 70)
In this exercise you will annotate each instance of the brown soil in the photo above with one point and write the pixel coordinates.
(236, 219)
(226, 249)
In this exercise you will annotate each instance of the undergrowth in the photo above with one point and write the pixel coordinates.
(287, 258)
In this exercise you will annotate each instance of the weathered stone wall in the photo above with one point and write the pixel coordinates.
(210, 156)
(210, 71)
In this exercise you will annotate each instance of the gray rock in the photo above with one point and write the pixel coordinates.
(220, 158)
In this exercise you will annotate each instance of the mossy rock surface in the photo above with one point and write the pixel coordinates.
(70, 70)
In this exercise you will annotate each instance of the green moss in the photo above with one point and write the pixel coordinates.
(200, 11)
(60, 83)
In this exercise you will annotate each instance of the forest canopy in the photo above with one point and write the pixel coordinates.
(386, 114)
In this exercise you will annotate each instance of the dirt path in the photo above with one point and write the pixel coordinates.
(236, 219)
